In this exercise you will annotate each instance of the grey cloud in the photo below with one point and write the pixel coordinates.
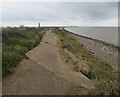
(94, 10)
(59, 11)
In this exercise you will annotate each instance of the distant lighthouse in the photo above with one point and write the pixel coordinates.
(38, 24)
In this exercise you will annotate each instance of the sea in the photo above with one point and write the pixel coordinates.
(107, 34)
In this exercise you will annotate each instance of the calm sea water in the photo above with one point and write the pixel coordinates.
(107, 34)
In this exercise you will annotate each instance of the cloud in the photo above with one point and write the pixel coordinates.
(59, 0)
(60, 12)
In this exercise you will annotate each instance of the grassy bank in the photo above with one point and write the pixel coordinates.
(99, 71)
(16, 41)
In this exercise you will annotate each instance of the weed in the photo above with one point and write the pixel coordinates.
(99, 71)
(67, 60)
(17, 41)
(75, 62)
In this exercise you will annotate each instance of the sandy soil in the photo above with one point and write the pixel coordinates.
(44, 72)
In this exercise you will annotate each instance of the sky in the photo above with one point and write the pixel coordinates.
(59, 13)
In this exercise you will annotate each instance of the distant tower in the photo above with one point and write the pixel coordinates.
(38, 24)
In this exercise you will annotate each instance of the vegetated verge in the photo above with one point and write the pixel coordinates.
(100, 72)
(105, 51)
(16, 42)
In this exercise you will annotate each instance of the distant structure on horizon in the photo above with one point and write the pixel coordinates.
(38, 24)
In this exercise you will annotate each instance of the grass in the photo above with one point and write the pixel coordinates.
(68, 59)
(75, 62)
(100, 72)
(16, 41)
(90, 74)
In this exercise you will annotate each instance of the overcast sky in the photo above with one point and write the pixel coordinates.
(72, 13)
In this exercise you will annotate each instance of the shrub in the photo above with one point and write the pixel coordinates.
(16, 42)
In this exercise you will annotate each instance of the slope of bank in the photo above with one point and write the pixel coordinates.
(100, 49)
(78, 59)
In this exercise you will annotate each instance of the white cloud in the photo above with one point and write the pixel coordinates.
(81, 22)
(0, 14)
(83, 14)
(59, 0)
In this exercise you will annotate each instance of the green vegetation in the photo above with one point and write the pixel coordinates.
(100, 72)
(75, 62)
(90, 74)
(16, 42)
(68, 59)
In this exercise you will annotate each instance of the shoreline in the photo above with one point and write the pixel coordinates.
(100, 49)
(97, 40)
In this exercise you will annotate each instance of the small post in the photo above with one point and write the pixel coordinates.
(38, 24)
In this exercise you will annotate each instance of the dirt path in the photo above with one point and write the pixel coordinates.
(44, 73)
